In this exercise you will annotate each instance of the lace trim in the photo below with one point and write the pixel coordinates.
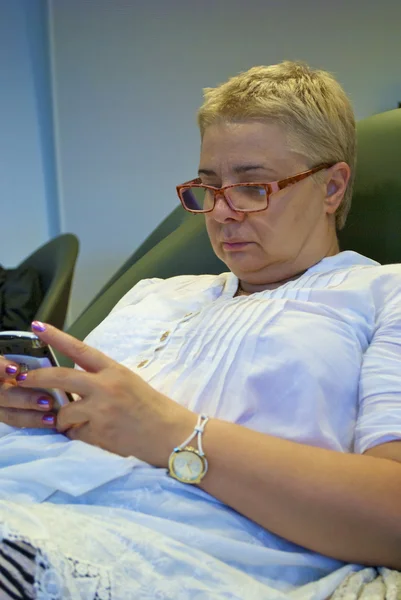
(62, 578)
(370, 584)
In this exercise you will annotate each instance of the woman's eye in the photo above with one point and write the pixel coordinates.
(254, 190)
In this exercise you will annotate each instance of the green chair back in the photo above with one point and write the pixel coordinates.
(176, 218)
(373, 227)
(55, 263)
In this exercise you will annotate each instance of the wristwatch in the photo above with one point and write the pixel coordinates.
(186, 463)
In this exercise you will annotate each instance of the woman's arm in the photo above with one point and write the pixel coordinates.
(346, 506)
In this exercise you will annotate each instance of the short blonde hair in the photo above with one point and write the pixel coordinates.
(310, 104)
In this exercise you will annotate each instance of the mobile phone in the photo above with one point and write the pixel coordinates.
(30, 352)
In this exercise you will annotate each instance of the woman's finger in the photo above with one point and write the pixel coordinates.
(27, 418)
(8, 368)
(74, 415)
(83, 355)
(78, 432)
(12, 396)
(60, 378)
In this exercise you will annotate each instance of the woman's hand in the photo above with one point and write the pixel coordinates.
(22, 407)
(118, 410)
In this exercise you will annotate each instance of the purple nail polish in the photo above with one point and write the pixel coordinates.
(49, 419)
(21, 377)
(38, 326)
(11, 369)
(43, 402)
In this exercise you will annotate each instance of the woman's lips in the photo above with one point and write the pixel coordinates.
(234, 246)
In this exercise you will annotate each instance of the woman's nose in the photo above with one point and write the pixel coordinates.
(222, 210)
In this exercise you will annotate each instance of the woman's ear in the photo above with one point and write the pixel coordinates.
(336, 183)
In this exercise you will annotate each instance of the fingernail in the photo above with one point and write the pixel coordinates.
(21, 377)
(38, 326)
(11, 369)
(43, 402)
(49, 419)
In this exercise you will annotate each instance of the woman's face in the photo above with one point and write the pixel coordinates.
(298, 228)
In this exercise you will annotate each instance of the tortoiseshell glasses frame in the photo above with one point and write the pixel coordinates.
(270, 188)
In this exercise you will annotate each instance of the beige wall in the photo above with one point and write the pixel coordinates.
(26, 214)
(128, 77)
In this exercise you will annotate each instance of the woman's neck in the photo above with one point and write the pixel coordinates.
(251, 289)
(246, 288)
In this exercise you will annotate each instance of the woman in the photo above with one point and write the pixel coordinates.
(282, 376)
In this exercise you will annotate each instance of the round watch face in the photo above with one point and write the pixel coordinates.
(187, 466)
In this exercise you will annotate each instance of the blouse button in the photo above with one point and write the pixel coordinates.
(142, 364)
(164, 336)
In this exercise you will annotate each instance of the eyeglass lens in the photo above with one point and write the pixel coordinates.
(242, 198)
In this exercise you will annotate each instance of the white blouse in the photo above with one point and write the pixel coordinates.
(316, 361)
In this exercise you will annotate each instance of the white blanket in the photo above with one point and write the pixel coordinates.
(112, 528)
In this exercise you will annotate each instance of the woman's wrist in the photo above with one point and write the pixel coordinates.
(179, 430)
(176, 425)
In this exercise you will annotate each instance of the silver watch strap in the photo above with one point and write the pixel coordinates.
(198, 431)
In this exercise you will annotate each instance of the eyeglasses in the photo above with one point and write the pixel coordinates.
(242, 197)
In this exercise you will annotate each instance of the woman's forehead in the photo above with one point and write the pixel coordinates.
(244, 147)
(243, 131)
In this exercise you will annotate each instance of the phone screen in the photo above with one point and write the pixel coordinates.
(27, 350)
(23, 345)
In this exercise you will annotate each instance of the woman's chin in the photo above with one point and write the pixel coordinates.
(241, 264)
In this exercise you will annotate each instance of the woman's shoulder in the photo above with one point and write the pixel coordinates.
(383, 280)
(385, 285)
(181, 284)
(381, 283)
(357, 266)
